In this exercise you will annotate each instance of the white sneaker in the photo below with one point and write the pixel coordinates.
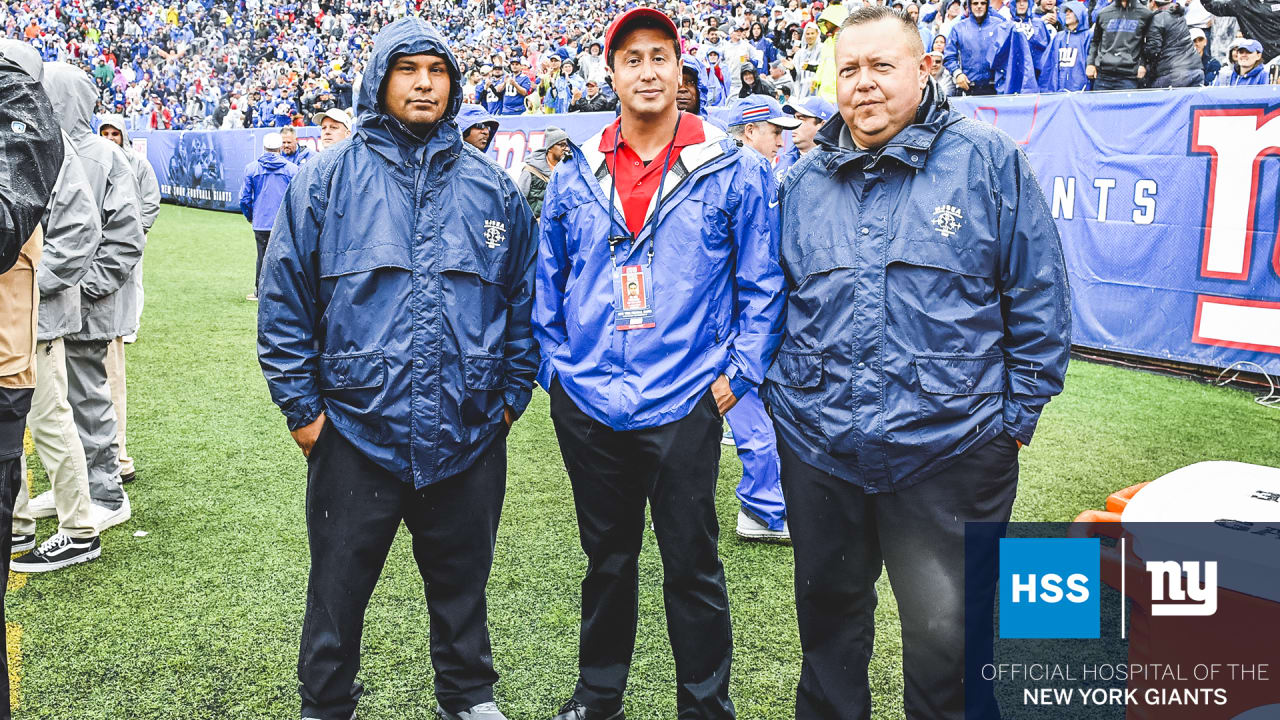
(753, 530)
(103, 518)
(42, 505)
(130, 339)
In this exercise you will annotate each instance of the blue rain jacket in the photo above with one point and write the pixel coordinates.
(396, 291)
(1033, 29)
(715, 280)
(1062, 65)
(970, 45)
(928, 305)
(265, 182)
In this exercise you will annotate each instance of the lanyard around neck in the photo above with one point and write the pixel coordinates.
(613, 189)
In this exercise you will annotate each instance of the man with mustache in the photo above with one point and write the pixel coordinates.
(640, 381)
(394, 334)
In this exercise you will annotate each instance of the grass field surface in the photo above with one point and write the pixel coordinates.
(201, 617)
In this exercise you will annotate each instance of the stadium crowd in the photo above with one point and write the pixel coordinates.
(252, 63)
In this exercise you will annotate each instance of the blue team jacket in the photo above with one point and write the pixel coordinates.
(717, 285)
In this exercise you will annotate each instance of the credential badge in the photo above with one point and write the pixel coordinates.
(495, 233)
(946, 218)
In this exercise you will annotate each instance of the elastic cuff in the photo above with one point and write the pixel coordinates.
(517, 400)
(740, 386)
(301, 413)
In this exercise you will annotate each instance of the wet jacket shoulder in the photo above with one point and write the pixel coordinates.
(70, 245)
(714, 274)
(945, 322)
(401, 311)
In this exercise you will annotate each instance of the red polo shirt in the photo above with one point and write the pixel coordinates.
(636, 182)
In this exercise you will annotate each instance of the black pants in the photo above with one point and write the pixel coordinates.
(675, 468)
(14, 406)
(841, 536)
(978, 90)
(354, 508)
(261, 236)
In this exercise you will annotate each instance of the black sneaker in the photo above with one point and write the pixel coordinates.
(574, 710)
(127, 478)
(19, 543)
(57, 552)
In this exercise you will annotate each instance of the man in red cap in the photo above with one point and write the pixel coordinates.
(658, 305)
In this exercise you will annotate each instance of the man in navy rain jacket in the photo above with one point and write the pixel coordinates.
(262, 193)
(658, 305)
(927, 325)
(394, 334)
(1063, 62)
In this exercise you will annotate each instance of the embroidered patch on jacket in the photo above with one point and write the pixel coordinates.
(18, 126)
(946, 219)
(495, 233)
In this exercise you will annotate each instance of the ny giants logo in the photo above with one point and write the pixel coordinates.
(1236, 139)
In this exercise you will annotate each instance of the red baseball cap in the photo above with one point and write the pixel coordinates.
(630, 17)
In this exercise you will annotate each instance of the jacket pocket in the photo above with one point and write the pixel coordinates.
(353, 386)
(484, 372)
(797, 370)
(485, 377)
(960, 374)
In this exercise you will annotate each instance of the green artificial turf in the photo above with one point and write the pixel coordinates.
(201, 617)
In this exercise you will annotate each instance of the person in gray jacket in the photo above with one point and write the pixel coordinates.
(1169, 50)
(105, 295)
(70, 243)
(111, 127)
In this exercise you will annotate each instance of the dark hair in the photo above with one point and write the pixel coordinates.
(873, 13)
(640, 23)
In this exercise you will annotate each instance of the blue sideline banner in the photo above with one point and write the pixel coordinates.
(1166, 202)
(1167, 206)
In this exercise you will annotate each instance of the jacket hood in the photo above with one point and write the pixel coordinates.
(20, 55)
(694, 64)
(834, 14)
(748, 67)
(406, 36)
(116, 121)
(538, 159)
(471, 115)
(72, 94)
(985, 18)
(964, 5)
(1081, 13)
(272, 161)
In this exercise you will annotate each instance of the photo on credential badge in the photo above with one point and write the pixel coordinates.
(1134, 618)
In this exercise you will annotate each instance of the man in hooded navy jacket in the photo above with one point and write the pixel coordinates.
(927, 325)
(394, 333)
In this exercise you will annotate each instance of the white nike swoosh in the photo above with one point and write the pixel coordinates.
(773, 204)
